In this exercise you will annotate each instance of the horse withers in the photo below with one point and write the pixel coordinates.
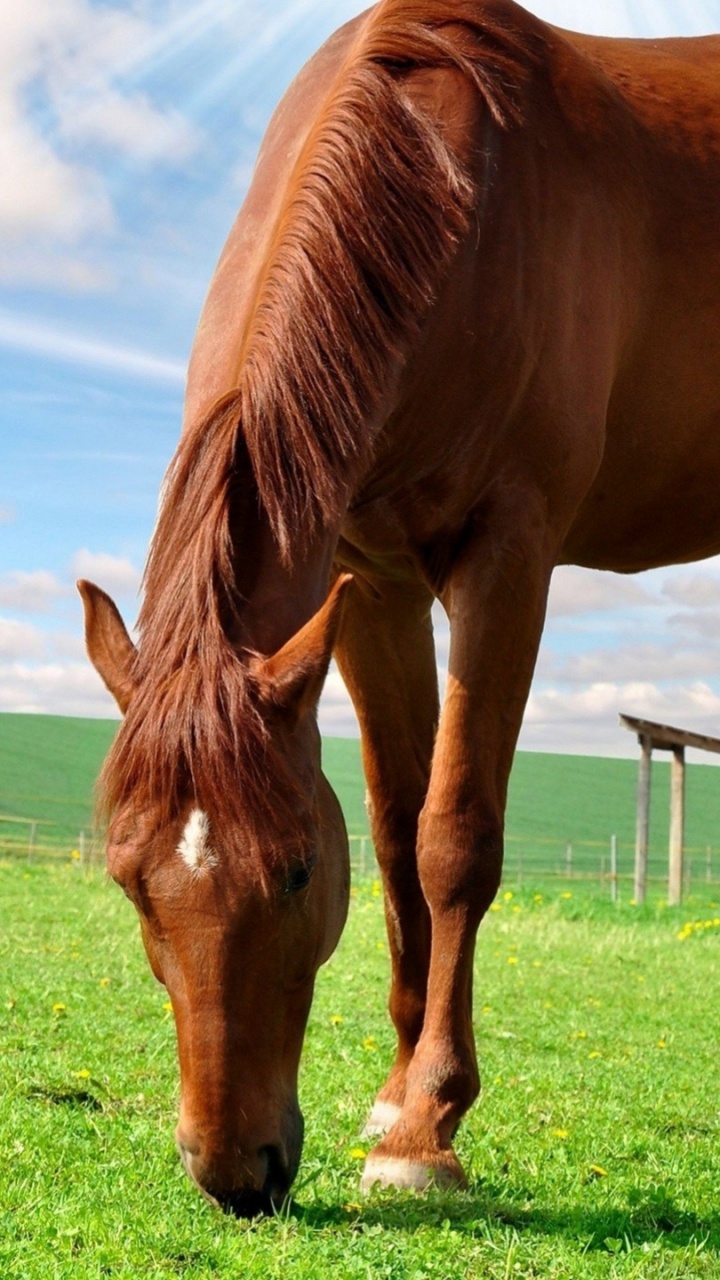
(465, 328)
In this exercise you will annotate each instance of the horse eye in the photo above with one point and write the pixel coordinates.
(299, 876)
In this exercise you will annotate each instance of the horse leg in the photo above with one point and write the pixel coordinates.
(386, 654)
(495, 595)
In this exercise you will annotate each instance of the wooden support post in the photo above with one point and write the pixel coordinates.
(677, 826)
(642, 824)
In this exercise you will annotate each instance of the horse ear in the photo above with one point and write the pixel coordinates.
(108, 644)
(292, 679)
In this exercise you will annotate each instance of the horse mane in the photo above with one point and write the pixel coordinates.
(372, 216)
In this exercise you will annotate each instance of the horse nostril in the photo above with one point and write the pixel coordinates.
(277, 1176)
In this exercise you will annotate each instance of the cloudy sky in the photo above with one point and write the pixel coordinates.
(128, 130)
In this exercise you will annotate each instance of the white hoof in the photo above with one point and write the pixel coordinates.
(381, 1119)
(405, 1174)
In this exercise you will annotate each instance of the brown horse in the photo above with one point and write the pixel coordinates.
(466, 327)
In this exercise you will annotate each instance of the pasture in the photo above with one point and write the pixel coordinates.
(48, 765)
(593, 1152)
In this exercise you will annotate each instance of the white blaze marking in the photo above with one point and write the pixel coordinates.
(194, 847)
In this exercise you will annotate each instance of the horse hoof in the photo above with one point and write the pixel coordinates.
(381, 1118)
(445, 1173)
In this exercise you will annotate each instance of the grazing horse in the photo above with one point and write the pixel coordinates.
(465, 328)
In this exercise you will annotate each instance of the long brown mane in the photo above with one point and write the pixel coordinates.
(371, 219)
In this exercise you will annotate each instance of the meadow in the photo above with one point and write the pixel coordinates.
(48, 766)
(593, 1152)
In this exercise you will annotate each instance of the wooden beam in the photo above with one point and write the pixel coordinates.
(677, 826)
(666, 738)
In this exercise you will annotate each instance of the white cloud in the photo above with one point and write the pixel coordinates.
(697, 590)
(631, 17)
(20, 640)
(65, 689)
(574, 590)
(646, 661)
(115, 574)
(20, 334)
(67, 57)
(586, 720)
(30, 592)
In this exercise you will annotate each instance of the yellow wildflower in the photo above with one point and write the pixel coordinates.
(357, 1153)
(336, 1019)
(59, 1007)
(560, 1133)
(83, 1074)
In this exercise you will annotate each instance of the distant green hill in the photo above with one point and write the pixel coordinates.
(48, 765)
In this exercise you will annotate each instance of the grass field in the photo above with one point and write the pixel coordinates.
(48, 766)
(594, 1151)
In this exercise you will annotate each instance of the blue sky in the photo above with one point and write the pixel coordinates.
(127, 134)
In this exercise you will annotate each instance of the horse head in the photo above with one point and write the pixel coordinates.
(238, 906)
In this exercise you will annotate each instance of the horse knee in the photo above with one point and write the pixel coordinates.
(460, 858)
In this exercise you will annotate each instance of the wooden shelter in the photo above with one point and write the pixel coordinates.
(663, 737)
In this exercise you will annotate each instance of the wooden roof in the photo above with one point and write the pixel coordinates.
(664, 737)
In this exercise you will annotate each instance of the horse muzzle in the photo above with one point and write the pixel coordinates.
(250, 1184)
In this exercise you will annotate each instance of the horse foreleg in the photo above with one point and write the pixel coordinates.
(495, 596)
(386, 655)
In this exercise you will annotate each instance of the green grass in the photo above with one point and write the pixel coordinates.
(48, 766)
(594, 1151)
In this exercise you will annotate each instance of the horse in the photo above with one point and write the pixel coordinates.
(465, 328)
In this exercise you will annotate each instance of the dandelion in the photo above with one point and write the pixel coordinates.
(487, 1008)
(661, 1044)
(580, 1035)
(59, 1007)
(512, 959)
(597, 1171)
(538, 898)
(83, 1074)
(595, 1054)
(508, 895)
(336, 1019)
(75, 855)
(376, 888)
(370, 1044)
(167, 1007)
(104, 982)
(379, 946)
(495, 906)
(357, 1153)
(562, 1134)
